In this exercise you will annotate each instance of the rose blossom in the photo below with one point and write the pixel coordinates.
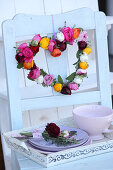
(48, 79)
(28, 54)
(53, 130)
(34, 73)
(68, 34)
(37, 38)
(81, 71)
(83, 36)
(52, 45)
(61, 45)
(82, 45)
(19, 57)
(66, 90)
(34, 49)
(73, 86)
(22, 46)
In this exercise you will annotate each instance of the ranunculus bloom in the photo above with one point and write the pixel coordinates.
(19, 57)
(34, 73)
(53, 130)
(81, 71)
(52, 45)
(48, 79)
(83, 36)
(34, 49)
(76, 33)
(73, 86)
(44, 43)
(61, 45)
(37, 38)
(56, 52)
(82, 45)
(22, 46)
(60, 36)
(28, 65)
(28, 54)
(68, 34)
(66, 90)
(78, 80)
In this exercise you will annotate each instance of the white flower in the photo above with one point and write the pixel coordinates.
(65, 133)
(60, 36)
(78, 80)
(39, 80)
(84, 57)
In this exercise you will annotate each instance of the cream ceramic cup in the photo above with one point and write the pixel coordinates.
(94, 119)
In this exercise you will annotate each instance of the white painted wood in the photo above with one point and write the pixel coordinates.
(60, 100)
(12, 76)
(102, 60)
(68, 5)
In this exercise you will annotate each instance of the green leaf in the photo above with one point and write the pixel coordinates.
(81, 29)
(67, 42)
(28, 134)
(71, 77)
(60, 80)
(20, 65)
(79, 53)
(72, 133)
(43, 73)
(77, 62)
(30, 79)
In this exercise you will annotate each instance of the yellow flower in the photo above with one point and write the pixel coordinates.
(87, 50)
(83, 65)
(58, 87)
(44, 43)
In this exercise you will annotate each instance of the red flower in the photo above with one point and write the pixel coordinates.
(34, 49)
(52, 129)
(19, 57)
(82, 45)
(66, 90)
(61, 45)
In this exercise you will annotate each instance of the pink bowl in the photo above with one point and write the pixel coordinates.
(94, 119)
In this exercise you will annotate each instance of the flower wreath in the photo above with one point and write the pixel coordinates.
(57, 44)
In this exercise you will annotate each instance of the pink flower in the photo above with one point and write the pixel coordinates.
(83, 36)
(28, 54)
(73, 86)
(52, 45)
(22, 46)
(34, 74)
(68, 34)
(37, 38)
(48, 79)
(81, 71)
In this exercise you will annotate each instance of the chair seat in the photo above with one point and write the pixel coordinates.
(99, 162)
(88, 84)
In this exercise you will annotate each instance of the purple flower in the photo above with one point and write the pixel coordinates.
(73, 86)
(48, 79)
(83, 36)
(66, 90)
(81, 71)
(52, 45)
(82, 45)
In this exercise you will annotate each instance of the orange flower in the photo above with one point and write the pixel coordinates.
(28, 65)
(56, 52)
(58, 87)
(76, 33)
(83, 65)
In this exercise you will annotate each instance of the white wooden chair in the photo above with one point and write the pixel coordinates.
(23, 25)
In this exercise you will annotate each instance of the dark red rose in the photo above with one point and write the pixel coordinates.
(52, 129)
(61, 45)
(19, 57)
(66, 90)
(82, 45)
(34, 49)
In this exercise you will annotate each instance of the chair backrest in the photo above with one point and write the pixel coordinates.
(24, 25)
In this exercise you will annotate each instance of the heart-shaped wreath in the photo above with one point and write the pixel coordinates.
(57, 44)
